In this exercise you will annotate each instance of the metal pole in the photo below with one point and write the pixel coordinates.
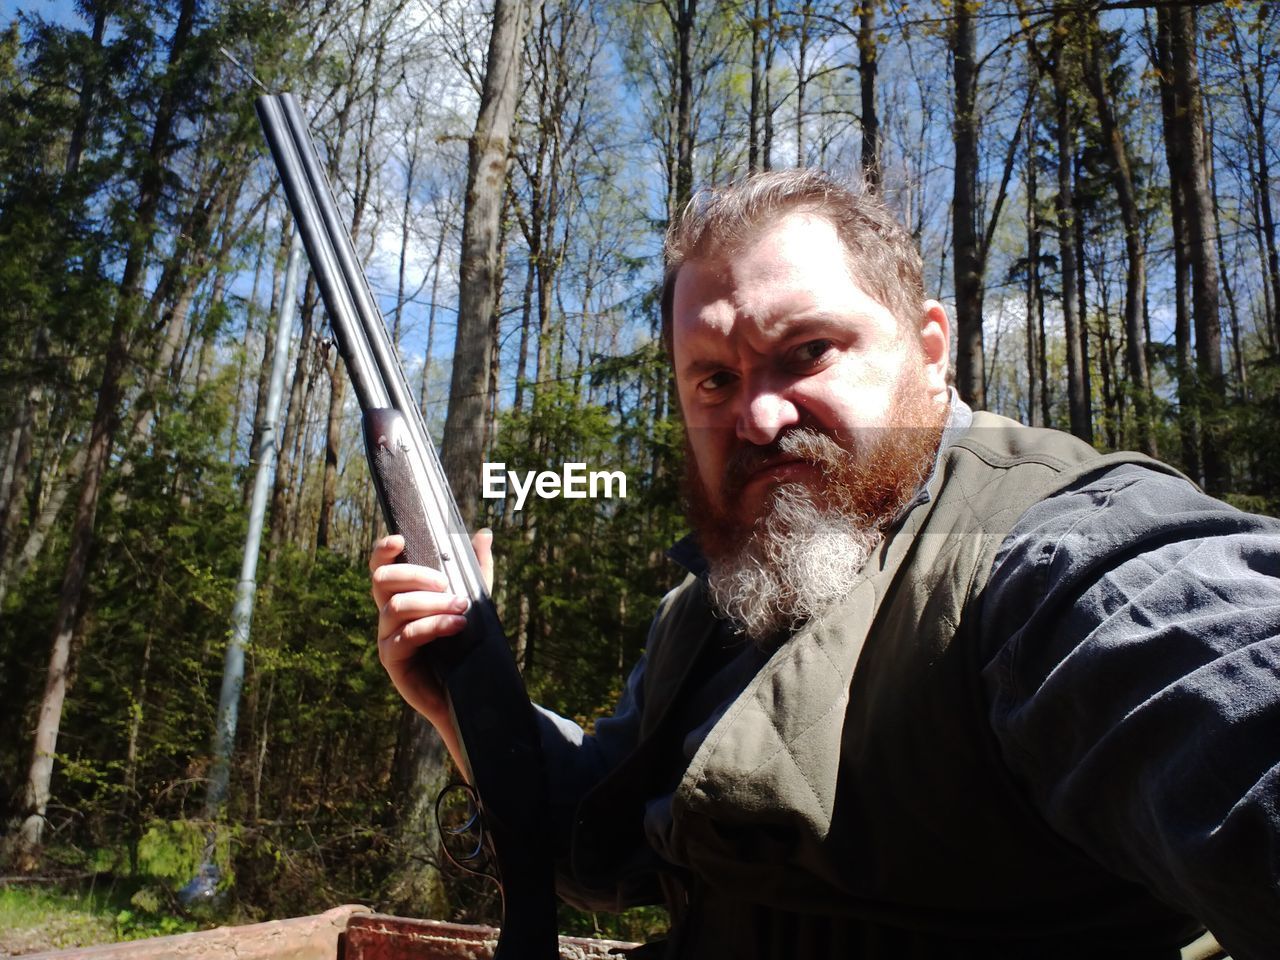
(204, 885)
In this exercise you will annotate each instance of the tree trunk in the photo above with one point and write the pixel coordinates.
(548, 257)
(1082, 289)
(91, 78)
(1253, 87)
(410, 169)
(129, 802)
(292, 423)
(1188, 409)
(1188, 130)
(489, 435)
(209, 335)
(968, 256)
(802, 78)
(333, 440)
(1111, 415)
(431, 323)
(486, 184)
(1036, 412)
(18, 564)
(757, 84)
(685, 18)
(868, 63)
(242, 358)
(419, 770)
(526, 322)
(1077, 374)
(535, 232)
(268, 350)
(1135, 256)
(766, 143)
(1262, 184)
(1233, 313)
(18, 455)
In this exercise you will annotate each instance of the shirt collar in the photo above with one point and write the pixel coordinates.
(959, 420)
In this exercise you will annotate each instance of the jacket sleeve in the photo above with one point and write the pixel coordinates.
(1133, 630)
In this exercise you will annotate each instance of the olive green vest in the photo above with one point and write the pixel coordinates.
(852, 801)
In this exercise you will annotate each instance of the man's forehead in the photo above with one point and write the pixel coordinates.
(802, 246)
(770, 238)
(713, 309)
(798, 267)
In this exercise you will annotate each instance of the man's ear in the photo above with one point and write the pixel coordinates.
(935, 344)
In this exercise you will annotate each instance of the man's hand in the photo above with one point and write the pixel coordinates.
(415, 608)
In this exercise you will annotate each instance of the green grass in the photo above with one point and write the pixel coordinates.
(33, 919)
(41, 918)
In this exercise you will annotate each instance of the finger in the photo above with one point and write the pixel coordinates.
(402, 607)
(385, 551)
(404, 643)
(426, 629)
(483, 544)
(395, 578)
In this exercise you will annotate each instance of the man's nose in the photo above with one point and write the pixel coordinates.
(767, 412)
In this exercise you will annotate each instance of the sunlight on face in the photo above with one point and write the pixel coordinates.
(778, 336)
(812, 417)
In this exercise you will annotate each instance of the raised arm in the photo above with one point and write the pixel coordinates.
(415, 607)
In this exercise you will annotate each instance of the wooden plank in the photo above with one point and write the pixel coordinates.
(298, 938)
(381, 937)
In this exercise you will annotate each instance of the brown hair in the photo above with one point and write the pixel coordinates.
(883, 257)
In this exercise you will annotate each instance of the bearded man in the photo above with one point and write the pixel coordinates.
(936, 684)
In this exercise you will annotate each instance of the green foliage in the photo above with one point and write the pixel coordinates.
(172, 851)
(579, 579)
(149, 919)
(636, 925)
(1251, 426)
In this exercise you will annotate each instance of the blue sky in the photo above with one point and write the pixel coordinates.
(52, 9)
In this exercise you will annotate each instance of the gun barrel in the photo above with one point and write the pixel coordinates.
(375, 371)
(323, 249)
(490, 709)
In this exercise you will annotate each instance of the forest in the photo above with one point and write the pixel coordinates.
(1090, 182)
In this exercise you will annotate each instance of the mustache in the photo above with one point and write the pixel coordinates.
(804, 444)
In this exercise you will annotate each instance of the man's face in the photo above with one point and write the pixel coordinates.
(778, 337)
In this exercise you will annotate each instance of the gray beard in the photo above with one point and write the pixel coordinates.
(799, 560)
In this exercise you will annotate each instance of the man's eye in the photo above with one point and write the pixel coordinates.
(811, 353)
(717, 381)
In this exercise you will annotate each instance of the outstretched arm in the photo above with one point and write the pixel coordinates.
(1135, 690)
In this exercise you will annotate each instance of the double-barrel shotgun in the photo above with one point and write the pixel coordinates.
(489, 707)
